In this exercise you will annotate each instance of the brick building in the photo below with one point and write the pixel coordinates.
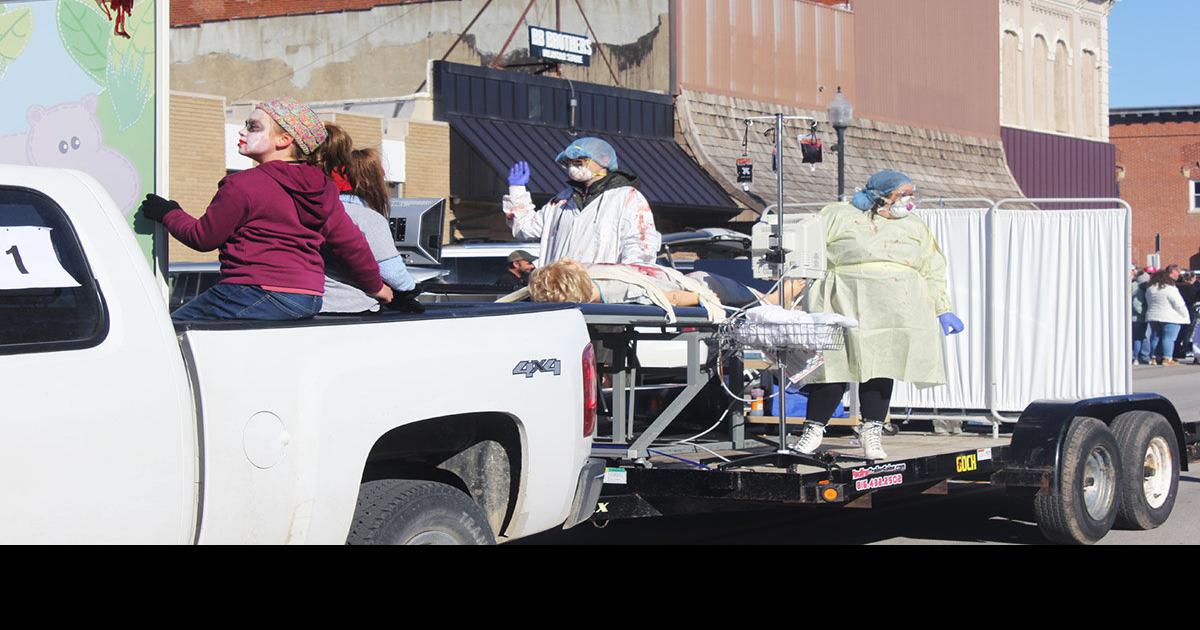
(1158, 166)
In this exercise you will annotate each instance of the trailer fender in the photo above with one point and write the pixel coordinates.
(1038, 437)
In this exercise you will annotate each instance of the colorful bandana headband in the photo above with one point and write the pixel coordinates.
(299, 120)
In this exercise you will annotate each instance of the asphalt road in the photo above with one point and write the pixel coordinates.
(971, 514)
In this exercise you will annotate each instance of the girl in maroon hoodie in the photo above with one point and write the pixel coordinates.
(269, 224)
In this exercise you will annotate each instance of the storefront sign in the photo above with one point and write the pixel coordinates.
(560, 47)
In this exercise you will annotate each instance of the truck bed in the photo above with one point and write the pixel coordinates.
(433, 312)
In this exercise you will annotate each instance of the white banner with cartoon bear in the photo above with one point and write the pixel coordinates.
(79, 85)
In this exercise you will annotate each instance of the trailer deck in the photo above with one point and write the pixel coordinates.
(902, 447)
(835, 475)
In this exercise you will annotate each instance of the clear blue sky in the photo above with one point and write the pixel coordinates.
(1153, 49)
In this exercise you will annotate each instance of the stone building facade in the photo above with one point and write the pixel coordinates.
(1054, 68)
(1054, 97)
(330, 50)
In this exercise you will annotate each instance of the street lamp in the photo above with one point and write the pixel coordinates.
(841, 112)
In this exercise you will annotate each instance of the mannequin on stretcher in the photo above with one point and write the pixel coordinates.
(569, 281)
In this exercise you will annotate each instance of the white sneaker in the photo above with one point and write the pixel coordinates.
(872, 440)
(810, 440)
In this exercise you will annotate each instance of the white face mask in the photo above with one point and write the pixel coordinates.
(903, 207)
(580, 174)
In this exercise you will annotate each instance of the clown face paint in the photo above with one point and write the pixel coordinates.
(257, 139)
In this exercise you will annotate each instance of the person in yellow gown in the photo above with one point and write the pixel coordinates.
(886, 270)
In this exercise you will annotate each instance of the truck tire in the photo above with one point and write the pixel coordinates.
(1082, 508)
(1150, 474)
(408, 512)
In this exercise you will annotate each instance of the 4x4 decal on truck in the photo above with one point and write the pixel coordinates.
(533, 368)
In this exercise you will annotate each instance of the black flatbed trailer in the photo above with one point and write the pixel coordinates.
(836, 476)
(1086, 465)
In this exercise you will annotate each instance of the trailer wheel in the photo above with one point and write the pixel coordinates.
(407, 512)
(1150, 476)
(1083, 506)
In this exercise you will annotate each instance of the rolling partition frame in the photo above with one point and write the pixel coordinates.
(992, 355)
(991, 370)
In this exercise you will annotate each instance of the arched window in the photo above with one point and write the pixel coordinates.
(1090, 93)
(1062, 88)
(1010, 88)
(1041, 96)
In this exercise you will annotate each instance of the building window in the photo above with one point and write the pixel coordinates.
(1062, 89)
(1041, 95)
(1090, 94)
(1010, 93)
(1194, 196)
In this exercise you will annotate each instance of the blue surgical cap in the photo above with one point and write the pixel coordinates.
(598, 150)
(879, 186)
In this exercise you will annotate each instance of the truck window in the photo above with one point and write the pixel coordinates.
(49, 301)
(483, 271)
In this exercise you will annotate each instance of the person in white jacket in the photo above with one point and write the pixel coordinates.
(1166, 313)
(600, 217)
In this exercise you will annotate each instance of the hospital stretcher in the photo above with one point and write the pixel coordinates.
(618, 329)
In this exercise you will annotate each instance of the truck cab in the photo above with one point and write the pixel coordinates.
(122, 427)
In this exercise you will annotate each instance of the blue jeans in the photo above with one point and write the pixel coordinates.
(1141, 342)
(1162, 339)
(239, 301)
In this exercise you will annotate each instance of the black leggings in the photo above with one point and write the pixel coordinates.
(874, 397)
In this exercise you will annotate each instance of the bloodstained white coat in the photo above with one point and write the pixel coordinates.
(616, 228)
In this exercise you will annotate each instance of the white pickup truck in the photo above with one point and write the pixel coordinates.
(467, 424)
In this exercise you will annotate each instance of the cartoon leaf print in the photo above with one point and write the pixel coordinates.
(85, 33)
(140, 26)
(15, 29)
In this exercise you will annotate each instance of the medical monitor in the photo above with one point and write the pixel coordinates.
(417, 228)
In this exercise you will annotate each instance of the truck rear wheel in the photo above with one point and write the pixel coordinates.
(1082, 507)
(407, 512)
(1150, 476)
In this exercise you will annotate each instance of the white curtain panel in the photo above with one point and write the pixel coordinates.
(1060, 305)
(962, 233)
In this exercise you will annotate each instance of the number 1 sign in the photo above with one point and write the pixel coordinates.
(28, 261)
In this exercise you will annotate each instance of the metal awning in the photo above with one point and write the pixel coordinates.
(668, 177)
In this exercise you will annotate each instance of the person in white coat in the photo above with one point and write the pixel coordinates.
(1166, 313)
(600, 217)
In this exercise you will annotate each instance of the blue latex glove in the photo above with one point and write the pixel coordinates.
(519, 175)
(951, 324)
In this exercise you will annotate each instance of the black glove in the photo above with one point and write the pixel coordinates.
(155, 207)
(406, 302)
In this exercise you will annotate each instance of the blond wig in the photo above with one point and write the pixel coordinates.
(561, 281)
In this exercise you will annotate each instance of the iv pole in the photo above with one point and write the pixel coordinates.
(782, 456)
